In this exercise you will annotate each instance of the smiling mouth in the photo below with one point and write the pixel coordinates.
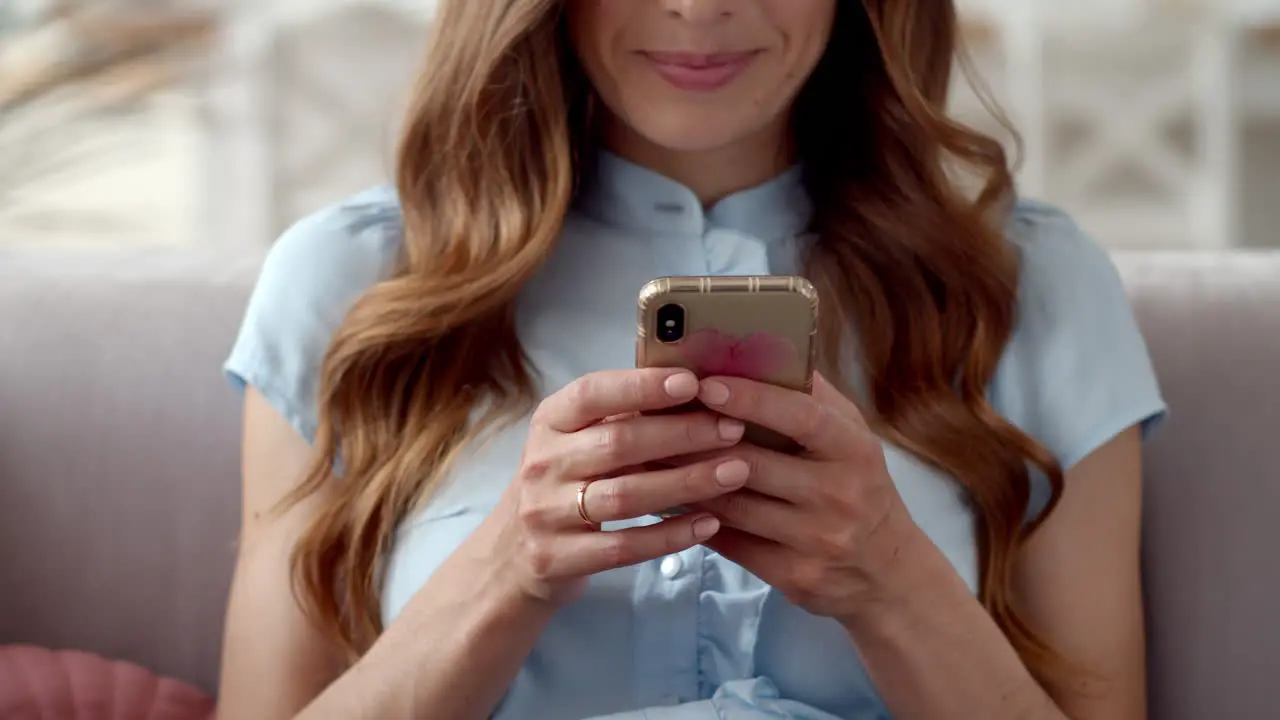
(700, 72)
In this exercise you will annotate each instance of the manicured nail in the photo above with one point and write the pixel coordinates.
(705, 527)
(714, 392)
(732, 474)
(682, 386)
(731, 429)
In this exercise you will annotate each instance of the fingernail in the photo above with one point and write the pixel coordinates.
(705, 527)
(681, 386)
(714, 392)
(732, 474)
(730, 429)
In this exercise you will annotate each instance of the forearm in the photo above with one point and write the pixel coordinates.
(934, 652)
(450, 654)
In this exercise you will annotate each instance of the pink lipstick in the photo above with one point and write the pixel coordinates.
(700, 72)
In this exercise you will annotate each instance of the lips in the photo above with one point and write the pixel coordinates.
(700, 72)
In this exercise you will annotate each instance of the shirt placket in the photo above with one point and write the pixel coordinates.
(666, 642)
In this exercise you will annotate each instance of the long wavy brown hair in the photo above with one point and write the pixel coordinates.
(916, 269)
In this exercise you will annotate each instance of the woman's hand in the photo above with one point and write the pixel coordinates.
(582, 467)
(824, 526)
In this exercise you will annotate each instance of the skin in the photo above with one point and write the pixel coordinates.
(829, 530)
(826, 527)
(727, 140)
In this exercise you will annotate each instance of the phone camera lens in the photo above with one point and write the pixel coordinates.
(670, 323)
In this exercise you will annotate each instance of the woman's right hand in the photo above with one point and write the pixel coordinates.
(591, 437)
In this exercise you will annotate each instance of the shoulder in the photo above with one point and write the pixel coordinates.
(308, 282)
(1076, 371)
(1060, 264)
(344, 247)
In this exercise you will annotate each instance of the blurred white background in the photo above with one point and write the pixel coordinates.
(198, 122)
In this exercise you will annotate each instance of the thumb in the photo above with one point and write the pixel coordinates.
(826, 393)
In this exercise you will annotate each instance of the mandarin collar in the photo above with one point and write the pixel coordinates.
(620, 193)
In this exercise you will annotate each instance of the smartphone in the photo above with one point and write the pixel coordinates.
(762, 327)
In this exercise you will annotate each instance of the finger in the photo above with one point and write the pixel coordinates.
(797, 415)
(592, 398)
(650, 493)
(828, 394)
(604, 449)
(589, 553)
(771, 473)
(766, 559)
(759, 515)
(635, 468)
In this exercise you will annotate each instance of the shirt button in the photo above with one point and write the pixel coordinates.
(671, 566)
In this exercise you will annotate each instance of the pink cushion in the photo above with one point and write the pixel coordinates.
(40, 684)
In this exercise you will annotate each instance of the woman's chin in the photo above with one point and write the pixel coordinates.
(686, 132)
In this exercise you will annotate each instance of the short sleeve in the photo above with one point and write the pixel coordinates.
(1076, 372)
(308, 282)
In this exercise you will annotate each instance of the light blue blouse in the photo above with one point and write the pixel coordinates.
(692, 636)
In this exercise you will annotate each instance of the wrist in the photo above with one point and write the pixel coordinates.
(482, 590)
(463, 638)
(905, 568)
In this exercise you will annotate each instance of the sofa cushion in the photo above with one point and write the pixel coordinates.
(38, 683)
(1212, 490)
(119, 495)
(119, 452)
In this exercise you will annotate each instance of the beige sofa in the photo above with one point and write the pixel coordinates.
(119, 486)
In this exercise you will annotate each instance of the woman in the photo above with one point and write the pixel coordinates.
(441, 413)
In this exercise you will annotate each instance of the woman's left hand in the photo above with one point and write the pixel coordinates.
(823, 526)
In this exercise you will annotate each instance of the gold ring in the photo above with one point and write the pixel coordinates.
(582, 504)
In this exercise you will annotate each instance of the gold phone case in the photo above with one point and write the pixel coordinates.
(763, 327)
